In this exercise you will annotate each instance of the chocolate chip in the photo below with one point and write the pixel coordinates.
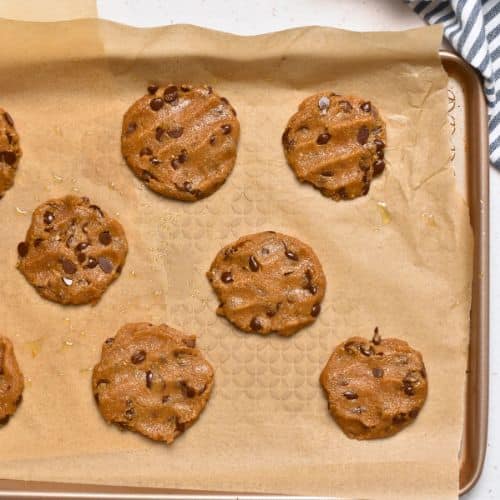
(156, 103)
(48, 217)
(327, 173)
(378, 372)
(226, 129)
(409, 389)
(350, 395)
(323, 103)
(105, 238)
(8, 157)
(255, 324)
(109, 340)
(312, 289)
(185, 88)
(183, 156)
(315, 310)
(97, 209)
(146, 176)
(165, 398)
(212, 140)
(270, 313)
(8, 119)
(187, 390)
(154, 161)
(412, 377)
(366, 350)
(189, 342)
(129, 413)
(286, 140)
(175, 132)
(138, 357)
(187, 186)
(22, 249)
(131, 127)
(37, 242)
(363, 134)
(91, 263)
(152, 89)
(9, 137)
(378, 167)
(366, 106)
(376, 337)
(342, 193)
(149, 379)
(105, 264)
(170, 93)
(67, 281)
(226, 277)
(68, 266)
(159, 133)
(252, 262)
(291, 255)
(379, 144)
(323, 138)
(414, 412)
(345, 106)
(81, 246)
(145, 152)
(380, 154)
(180, 426)
(80, 257)
(399, 418)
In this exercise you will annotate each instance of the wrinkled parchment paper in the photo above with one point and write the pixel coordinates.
(399, 259)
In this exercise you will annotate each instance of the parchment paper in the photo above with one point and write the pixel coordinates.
(399, 259)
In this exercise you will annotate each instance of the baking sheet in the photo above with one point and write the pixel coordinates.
(399, 258)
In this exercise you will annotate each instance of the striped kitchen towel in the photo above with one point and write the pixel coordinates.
(473, 28)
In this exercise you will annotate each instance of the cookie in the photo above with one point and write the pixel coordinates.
(181, 141)
(73, 251)
(10, 152)
(336, 143)
(268, 283)
(374, 388)
(11, 381)
(152, 380)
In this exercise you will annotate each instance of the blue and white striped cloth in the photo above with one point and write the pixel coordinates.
(473, 28)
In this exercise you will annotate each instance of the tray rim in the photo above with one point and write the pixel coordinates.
(474, 440)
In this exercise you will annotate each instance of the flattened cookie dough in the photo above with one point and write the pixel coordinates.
(268, 283)
(181, 141)
(374, 388)
(73, 251)
(11, 381)
(152, 380)
(336, 143)
(10, 152)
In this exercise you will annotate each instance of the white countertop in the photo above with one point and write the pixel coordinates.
(248, 17)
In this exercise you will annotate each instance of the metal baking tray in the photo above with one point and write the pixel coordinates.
(469, 153)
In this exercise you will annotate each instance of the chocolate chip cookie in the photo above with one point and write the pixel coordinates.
(181, 140)
(10, 152)
(152, 380)
(374, 388)
(268, 283)
(336, 143)
(11, 381)
(73, 251)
